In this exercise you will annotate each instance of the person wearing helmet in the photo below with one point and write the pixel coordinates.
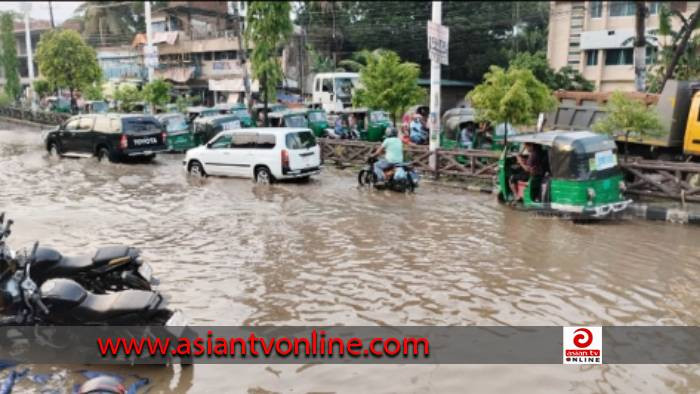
(392, 148)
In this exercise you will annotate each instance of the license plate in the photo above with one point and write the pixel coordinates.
(146, 271)
(147, 152)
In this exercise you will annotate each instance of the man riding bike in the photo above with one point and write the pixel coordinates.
(392, 147)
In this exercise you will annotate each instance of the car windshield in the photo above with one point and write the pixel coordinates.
(344, 86)
(296, 121)
(175, 123)
(300, 140)
(140, 124)
(378, 116)
(317, 116)
(208, 113)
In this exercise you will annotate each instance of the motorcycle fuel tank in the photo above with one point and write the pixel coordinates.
(62, 293)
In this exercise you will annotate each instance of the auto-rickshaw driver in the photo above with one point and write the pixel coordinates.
(532, 168)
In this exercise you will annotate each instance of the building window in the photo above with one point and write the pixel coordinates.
(206, 56)
(622, 8)
(596, 8)
(653, 7)
(619, 57)
(592, 57)
(651, 55)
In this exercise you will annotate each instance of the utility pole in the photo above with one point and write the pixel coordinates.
(434, 121)
(149, 41)
(242, 55)
(640, 46)
(53, 26)
(27, 7)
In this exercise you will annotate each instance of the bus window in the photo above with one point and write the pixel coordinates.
(318, 85)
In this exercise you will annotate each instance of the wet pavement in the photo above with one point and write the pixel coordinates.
(228, 252)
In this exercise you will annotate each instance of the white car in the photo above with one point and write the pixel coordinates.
(263, 154)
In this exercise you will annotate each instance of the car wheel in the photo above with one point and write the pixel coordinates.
(263, 176)
(197, 170)
(53, 150)
(103, 155)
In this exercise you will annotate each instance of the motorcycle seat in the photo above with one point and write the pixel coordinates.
(98, 307)
(108, 253)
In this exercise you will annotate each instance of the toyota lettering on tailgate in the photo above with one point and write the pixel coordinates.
(145, 141)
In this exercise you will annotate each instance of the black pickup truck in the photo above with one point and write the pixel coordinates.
(110, 137)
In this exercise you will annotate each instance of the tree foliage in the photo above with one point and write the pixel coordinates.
(389, 84)
(566, 78)
(157, 92)
(625, 115)
(514, 96)
(93, 92)
(127, 95)
(9, 56)
(688, 65)
(481, 33)
(66, 61)
(42, 87)
(268, 26)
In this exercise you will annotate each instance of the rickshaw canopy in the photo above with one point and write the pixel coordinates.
(576, 155)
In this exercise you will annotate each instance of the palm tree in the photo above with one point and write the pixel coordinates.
(360, 59)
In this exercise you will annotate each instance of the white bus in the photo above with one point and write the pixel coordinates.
(334, 90)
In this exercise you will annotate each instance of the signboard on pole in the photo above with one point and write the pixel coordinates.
(150, 56)
(438, 42)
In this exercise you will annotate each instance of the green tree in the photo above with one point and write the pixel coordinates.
(268, 27)
(42, 87)
(389, 84)
(625, 116)
(9, 56)
(66, 61)
(93, 91)
(566, 78)
(182, 102)
(157, 92)
(4, 100)
(360, 59)
(513, 96)
(127, 96)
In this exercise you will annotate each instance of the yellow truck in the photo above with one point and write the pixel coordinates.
(678, 107)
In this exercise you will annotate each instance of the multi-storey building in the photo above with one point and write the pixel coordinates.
(597, 37)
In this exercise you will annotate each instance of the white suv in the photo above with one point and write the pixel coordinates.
(264, 154)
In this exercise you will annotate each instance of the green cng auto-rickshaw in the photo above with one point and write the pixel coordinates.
(260, 107)
(318, 122)
(180, 137)
(200, 112)
(242, 112)
(288, 118)
(581, 178)
(371, 124)
(205, 129)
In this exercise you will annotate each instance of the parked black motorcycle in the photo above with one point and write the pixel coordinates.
(111, 268)
(401, 177)
(64, 301)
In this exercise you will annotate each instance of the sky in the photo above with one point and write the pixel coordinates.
(62, 10)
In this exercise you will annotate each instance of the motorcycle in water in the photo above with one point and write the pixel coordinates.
(111, 268)
(64, 302)
(400, 177)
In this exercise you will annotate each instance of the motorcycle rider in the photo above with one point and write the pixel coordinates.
(392, 147)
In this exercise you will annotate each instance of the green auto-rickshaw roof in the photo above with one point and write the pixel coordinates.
(568, 141)
(217, 119)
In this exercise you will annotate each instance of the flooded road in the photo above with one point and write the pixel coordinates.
(228, 252)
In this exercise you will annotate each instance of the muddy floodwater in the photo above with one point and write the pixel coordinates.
(228, 252)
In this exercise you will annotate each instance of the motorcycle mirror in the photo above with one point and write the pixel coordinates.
(36, 246)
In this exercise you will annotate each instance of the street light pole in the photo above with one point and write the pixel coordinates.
(149, 40)
(27, 7)
(434, 121)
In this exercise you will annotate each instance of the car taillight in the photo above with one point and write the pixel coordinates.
(285, 159)
(164, 136)
(123, 143)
